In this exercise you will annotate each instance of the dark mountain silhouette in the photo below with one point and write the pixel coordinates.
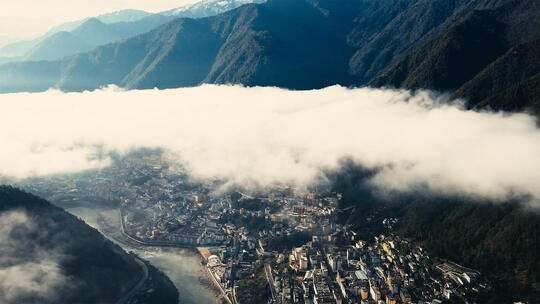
(510, 82)
(448, 61)
(72, 262)
(389, 30)
(488, 57)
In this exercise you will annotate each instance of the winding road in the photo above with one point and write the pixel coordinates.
(139, 285)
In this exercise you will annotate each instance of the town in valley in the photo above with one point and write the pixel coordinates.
(278, 245)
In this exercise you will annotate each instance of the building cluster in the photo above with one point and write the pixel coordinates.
(387, 270)
(181, 221)
(235, 232)
(289, 214)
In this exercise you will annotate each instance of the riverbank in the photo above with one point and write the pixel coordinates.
(182, 265)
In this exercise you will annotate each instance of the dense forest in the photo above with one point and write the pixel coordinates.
(484, 51)
(500, 239)
(254, 289)
(163, 290)
(74, 261)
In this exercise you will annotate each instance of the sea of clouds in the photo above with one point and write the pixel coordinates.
(264, 135)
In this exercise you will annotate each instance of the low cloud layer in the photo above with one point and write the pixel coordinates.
(269, 135)
(28, 273)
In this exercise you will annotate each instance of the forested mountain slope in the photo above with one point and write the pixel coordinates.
(50, 256)
(451, 46)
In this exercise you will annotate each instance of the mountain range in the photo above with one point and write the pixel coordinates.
(17, 50)
(485, 51)
(86, 34)
(206, 8)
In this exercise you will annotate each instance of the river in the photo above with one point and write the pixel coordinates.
(182, 266)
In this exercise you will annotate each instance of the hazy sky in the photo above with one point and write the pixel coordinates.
(29, 18)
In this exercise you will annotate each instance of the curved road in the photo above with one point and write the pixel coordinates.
(139, 285)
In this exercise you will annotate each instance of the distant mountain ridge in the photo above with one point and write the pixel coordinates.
(89, 35)
(20, 48)
(237, 46)
(84, 35)
(207, 8)
(306, 44)
(127, 15)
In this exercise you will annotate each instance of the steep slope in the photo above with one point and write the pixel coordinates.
(160, 58)
(295, 44)
(90, 34)
(267, 44)
(182, 61)
(306, 44)
(21, 48)
(519, 96)
(50, 256)
(127, 15)
(96, 32)
(448, 61)
(391, 30)
(471, 57)
(57, 46)
(509, 83)
(115, 26)
(394, 30)
(270, 44)
(500, 240)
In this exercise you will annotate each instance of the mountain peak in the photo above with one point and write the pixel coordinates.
(206, 8)
(127, 15)
(94, 21)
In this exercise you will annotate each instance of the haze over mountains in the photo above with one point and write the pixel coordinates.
(84, 35)
(20, 48)
(453, 46)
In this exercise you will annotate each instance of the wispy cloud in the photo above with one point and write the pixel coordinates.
(267, 135)
(28, 273)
